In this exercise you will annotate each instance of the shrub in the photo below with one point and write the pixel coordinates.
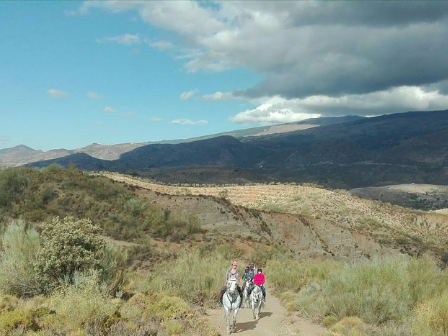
(8, 303)
(294, 274)
(81, 304)
(68, 246)
(431, 317)
(193, 277)
(11, 320)
(20, 247)
(261, 255)
(173, 328)
(350, 326)
(377, 291)
(30, 265)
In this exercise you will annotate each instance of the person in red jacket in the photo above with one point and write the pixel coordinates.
(259, 280)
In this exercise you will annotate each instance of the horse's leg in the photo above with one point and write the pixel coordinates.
(227, 314)
(235, 314)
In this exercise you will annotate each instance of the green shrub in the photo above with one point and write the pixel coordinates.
(293, 274)
(377, 291)
(11, 320)
(328, 321)
(31, 264)
(20, 248)
(8, 303)
(81, 304)
(173, 327)
(193, 277)
(68, 246)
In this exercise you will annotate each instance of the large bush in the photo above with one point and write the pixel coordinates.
(31, 264)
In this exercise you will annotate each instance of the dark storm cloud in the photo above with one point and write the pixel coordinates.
(358, 51)
(368, 13)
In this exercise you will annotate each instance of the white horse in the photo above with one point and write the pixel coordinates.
(256, 301)
(231, 301)
(246, 292)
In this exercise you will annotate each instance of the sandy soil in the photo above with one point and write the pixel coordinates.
(274, 321)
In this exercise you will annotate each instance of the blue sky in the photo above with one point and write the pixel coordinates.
(76, 73)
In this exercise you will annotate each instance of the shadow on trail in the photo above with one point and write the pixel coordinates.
(250, 325)
(245, 326)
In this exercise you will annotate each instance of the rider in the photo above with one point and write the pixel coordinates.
(232, 271)
(259, 280)
(249, 275)
(249, 272)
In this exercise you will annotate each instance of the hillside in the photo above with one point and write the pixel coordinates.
(310, 221)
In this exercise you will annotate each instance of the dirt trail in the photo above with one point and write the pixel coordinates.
(274, 321)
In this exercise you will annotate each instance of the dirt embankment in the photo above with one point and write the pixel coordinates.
(304, 235)
(311, 220)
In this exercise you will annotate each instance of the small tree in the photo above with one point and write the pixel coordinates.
(68, 246)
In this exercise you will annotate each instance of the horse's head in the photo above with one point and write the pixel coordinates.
(232, 284)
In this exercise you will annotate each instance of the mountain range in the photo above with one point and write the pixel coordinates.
(344, 153)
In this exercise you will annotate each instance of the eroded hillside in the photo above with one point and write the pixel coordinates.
(310, 221)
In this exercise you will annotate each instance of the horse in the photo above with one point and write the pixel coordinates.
(231, 300)
(256, 301)
(246, 292)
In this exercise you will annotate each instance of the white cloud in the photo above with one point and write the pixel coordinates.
(162, 45)
(276, 110)
(266, 114)
(93, 95)
(126, 39)
(57, 94)
(127, 114)
(187, 95)
(218, 96)
(109, 110)
(188, 122)
(155, 119)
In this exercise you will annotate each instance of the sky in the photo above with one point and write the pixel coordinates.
(111, 72)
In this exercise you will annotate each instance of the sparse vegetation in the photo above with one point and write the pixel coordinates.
(369, 297)
(58, 276)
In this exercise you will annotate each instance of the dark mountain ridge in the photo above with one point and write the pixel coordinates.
(399, 148)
